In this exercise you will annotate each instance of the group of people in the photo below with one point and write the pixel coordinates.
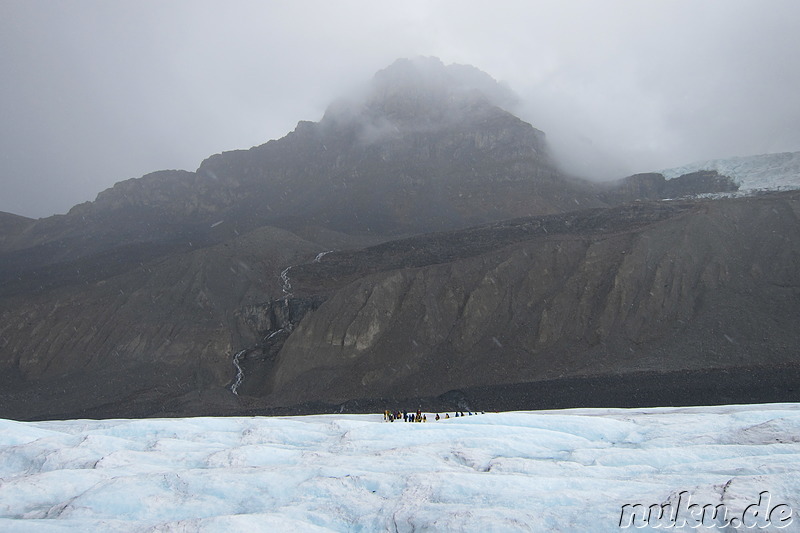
(419, 416)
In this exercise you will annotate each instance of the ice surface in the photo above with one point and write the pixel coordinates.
(753, 173)
(568, 470)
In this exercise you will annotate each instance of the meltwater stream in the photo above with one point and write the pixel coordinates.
(286, 288)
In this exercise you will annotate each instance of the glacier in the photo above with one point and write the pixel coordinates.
(561, 470)
(765, 172)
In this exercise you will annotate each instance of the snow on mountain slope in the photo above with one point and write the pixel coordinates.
(571, 470)
(752, 173)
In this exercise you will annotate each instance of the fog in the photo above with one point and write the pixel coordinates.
(95, 92)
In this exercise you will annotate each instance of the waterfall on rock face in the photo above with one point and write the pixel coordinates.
(239, 372)
(288, 325)
(287, 285)
(268, 337)
(321, 255)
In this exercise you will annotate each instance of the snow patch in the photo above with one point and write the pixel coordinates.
(766, 172)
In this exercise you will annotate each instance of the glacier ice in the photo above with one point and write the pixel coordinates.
(564, 470)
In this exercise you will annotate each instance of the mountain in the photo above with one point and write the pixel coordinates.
(154, 286)
(417, 241)
(425, 148)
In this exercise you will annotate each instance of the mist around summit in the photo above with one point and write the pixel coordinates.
(618, 88)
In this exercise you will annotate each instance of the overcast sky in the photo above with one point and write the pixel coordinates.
(93, 92)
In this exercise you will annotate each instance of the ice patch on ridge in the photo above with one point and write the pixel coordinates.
(766, 172)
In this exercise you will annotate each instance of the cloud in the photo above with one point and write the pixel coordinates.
(96, 92)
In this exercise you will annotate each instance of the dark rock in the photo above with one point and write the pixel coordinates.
(713, 284)
(136, 304)
(282, 313)
(653, 186)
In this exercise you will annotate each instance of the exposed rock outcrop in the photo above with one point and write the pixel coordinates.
(712, 285)
(654, 186)
(179, 311)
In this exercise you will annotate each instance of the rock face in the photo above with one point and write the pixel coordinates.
(654, 186)
(171, 318)
(273, 323)
(464, 260)
(655, 287)
(425, 149)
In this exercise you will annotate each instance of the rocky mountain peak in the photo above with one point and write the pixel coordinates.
(423, 92)
(423, 147)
